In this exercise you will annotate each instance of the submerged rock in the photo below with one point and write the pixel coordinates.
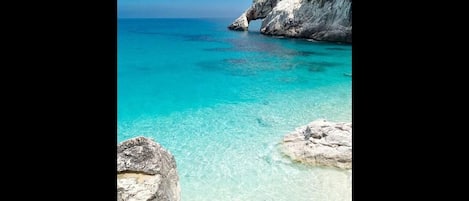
(146, 171)
(321, 143)
(322, 20)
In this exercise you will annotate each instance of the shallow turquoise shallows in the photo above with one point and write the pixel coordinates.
(221, 101)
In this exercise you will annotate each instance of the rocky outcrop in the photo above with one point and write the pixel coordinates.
(146, 171)
(322, 20)
(321, 143)
(258, 10)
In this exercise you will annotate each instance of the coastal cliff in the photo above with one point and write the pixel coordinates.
(322, 20)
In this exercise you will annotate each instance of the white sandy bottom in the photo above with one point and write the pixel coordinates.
(230, 151)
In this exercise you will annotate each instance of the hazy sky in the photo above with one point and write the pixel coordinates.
(180, 8)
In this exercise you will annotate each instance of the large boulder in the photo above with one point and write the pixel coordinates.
(146, 172)
(322, 20)
(321, 143)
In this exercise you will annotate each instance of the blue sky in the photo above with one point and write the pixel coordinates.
(181, 8)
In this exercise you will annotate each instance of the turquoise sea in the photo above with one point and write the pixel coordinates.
(221, 101)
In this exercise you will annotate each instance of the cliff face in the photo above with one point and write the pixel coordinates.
(323, 20)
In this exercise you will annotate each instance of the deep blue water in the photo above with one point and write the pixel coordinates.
(220, 101)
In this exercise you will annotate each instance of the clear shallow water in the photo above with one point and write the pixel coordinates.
(220, 101)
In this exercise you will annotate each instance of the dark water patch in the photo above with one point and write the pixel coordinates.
(247, 45)
(316, 69)
(255, 65)
(219, 49)
(203, 38)
(310, 66)
(335, 48)
(308, 42)
(273, 49)
(310, 53)
(262, 122)
(302, 53)
(288, 66)
(236, 61)
(210, 65)
(323, 64)
(185, 37)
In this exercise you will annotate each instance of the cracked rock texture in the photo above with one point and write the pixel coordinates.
(322, 20)
(321, 143)
(146, 171)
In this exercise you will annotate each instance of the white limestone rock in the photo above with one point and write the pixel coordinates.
(321, 143)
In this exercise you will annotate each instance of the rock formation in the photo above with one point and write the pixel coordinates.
(258, 10)
(322, 20)
(146, 171)
(321, 143)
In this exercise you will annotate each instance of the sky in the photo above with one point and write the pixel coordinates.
(181, 8)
